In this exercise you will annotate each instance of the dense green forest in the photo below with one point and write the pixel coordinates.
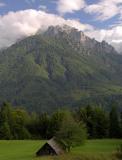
(49, 71)
(17, 123)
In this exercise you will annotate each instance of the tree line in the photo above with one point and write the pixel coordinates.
(90, 121)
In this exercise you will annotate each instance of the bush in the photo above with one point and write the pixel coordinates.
(118, 153)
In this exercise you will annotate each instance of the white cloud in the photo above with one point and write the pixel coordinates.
(117, 41)
(113, 36)
(110, 35)
(16, 25)
(69, 6)
(43, 8)
(30, 1)
(105, 9)
(2, 4)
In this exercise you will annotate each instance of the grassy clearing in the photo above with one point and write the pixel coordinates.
(92, 150)
(98, 146)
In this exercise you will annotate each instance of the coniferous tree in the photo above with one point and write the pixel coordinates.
(5, 121)
(96, 120)
(121, 124)
(5, 132)
(56, 121)
(43, 126)
(114, 128)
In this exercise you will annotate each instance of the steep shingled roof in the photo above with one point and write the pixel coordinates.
(58, 149)
(51, 147)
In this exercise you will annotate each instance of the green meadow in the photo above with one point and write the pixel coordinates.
(92, 150)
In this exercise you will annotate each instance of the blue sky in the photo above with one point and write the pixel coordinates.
(101, 19)
(17, 5)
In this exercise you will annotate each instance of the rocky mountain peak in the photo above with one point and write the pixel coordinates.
(64, 31)
(78, 39)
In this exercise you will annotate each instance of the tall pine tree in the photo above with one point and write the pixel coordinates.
(114, 130)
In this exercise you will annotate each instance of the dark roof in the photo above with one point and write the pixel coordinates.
(54, 145)
(58, 149)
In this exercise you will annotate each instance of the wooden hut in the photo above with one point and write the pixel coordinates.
(51, 147)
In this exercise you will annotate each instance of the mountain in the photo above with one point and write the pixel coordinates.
(60, 67)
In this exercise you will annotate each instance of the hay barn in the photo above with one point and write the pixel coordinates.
(51, 147)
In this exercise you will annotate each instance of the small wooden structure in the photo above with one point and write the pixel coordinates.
(51, 147)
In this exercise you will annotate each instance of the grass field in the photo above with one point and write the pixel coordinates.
(92, 150)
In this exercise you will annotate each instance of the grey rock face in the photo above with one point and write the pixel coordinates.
(78, 40)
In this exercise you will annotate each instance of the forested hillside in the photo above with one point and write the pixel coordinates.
(60, 68)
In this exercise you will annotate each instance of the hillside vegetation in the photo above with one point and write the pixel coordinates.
(92, 122)
(60, 68)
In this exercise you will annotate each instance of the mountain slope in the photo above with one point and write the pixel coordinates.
(57, 68)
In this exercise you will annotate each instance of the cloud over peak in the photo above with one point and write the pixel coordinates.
(16, 25)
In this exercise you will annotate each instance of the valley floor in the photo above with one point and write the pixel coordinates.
(92, 150)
